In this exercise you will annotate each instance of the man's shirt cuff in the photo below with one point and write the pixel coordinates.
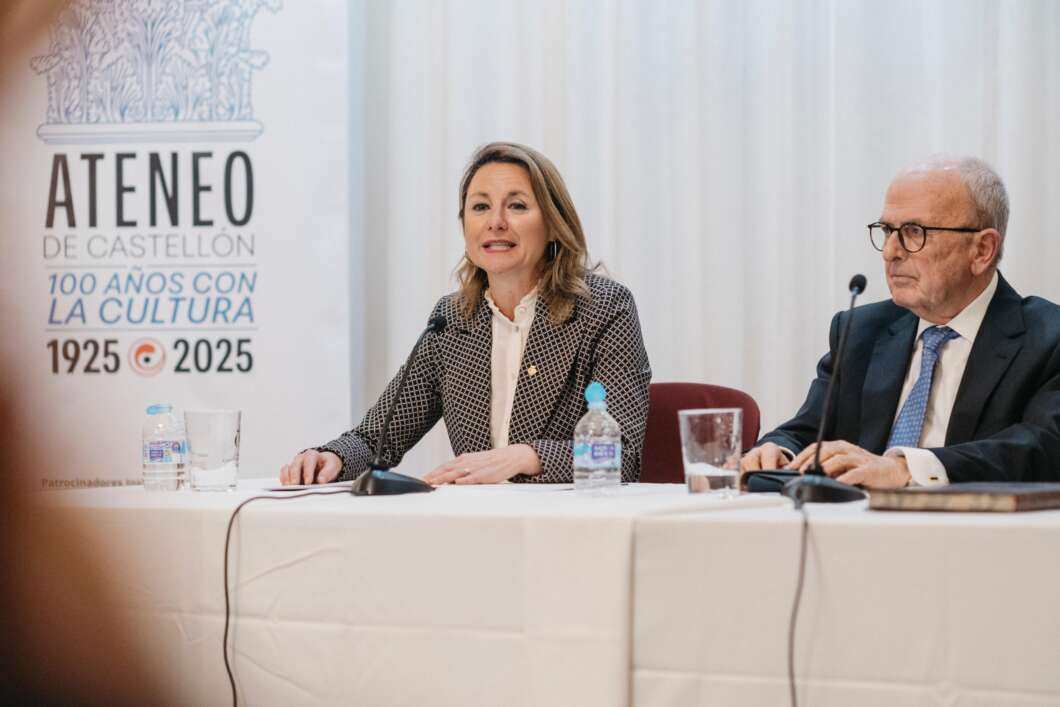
(924, 466)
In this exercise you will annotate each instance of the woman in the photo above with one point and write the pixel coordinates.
(530, 327)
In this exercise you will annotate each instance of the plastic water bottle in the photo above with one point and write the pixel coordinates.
(163, 450)
(597, 444)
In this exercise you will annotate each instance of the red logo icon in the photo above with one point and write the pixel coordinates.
(147, 357)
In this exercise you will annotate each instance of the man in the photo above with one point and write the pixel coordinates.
(957, 378)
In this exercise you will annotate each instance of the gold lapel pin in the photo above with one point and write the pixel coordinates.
(531, 370)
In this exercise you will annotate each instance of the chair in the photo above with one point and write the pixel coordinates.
(661, 460)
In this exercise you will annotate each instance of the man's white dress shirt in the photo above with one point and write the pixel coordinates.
(506, 358)
(925, 467)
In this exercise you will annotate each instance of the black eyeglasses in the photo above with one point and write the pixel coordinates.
(911, 236)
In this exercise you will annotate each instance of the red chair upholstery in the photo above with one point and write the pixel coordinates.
(661, 457)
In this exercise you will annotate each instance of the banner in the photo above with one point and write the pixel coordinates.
(175, 227)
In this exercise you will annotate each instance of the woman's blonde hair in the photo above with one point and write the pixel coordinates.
(563, 278)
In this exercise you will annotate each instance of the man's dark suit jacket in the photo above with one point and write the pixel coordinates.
(1005, 424)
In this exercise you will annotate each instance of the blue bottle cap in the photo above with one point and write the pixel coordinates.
(595, 394)
(156, 409)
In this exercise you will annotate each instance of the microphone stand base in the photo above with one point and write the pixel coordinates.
(383, 482)
(811, 488)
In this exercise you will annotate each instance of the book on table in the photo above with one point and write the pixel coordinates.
(975, 496)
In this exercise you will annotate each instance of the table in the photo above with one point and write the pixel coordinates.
(499, 595)
(898, 608)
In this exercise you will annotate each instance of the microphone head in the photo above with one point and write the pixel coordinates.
(437, 324)
(858, 284)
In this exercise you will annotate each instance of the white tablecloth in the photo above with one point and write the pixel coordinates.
(898, 609)
(502, 595)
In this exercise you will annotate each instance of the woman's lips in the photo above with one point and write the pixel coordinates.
(498, 246)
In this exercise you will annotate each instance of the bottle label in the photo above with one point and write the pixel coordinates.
(598, 455)
(164, 452)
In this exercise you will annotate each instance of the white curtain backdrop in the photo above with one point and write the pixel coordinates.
(724, 157)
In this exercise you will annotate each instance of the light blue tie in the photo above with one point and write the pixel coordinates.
(910, 422)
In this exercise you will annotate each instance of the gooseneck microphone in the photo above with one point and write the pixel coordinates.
(378, 480)
(815, 486)
(857, 286)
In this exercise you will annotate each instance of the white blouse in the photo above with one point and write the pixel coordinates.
(506, 358)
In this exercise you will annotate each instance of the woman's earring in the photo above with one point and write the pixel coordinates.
(552, 250)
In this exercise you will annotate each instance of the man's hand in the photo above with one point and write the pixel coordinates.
(768, 456)
(490, 467)
(851, 464)
(311, 467)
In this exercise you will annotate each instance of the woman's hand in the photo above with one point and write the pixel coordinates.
(489, 467)
(311, 467)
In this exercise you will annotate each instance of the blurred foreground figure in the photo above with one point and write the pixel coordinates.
(60, 642)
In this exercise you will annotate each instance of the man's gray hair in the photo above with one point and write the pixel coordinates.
(988, 191)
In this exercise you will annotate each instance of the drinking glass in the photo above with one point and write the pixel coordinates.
(710, 447)
(213, 449)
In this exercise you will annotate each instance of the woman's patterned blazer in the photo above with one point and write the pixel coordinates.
(450, 378)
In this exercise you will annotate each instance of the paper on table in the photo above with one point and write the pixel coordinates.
(502, 486)
(305, 487)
